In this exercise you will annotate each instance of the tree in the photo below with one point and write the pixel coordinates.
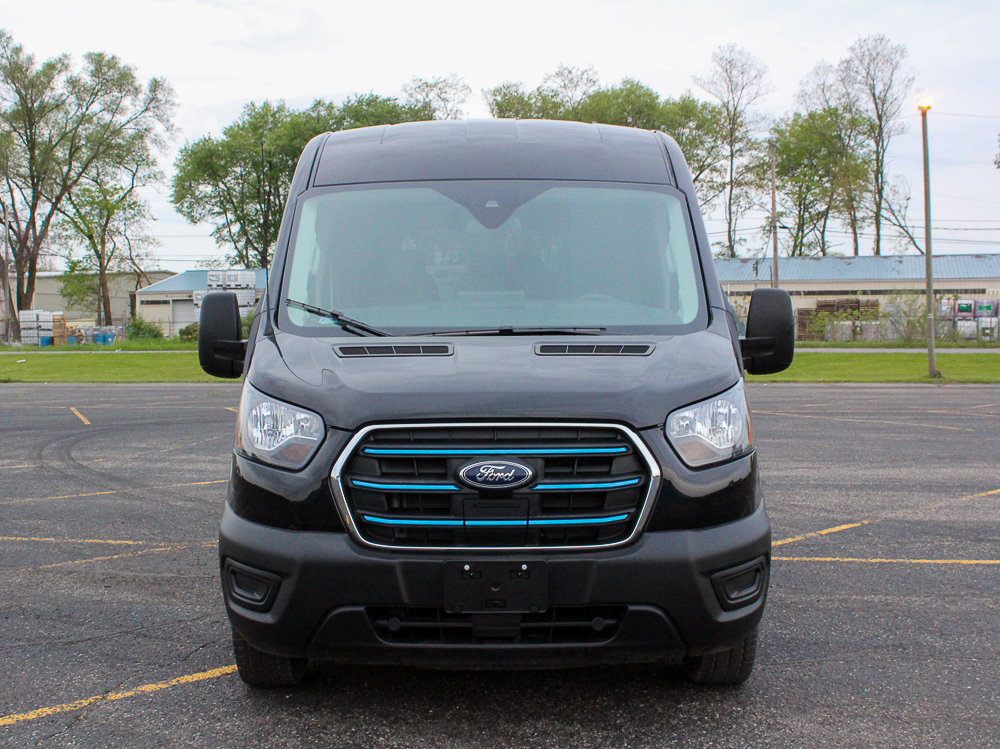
(57, 126)
(738, 80)
(104, 217)
(79, 286)
(824, 90)
(240, 181)
(443, 97)
(878, 81)
(815, 175)
(575, 94)
(697, 126)
(509, 100)
(630, 104)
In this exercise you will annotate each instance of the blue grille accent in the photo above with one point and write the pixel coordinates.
(589, 485)
(406, 487)
(578, 521)
(412, 521)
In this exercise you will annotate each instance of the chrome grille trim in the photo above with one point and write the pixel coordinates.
(336, 481)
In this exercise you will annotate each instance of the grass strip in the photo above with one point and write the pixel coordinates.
(807, 367)
(136, 344)
(941, 343)
(91, 367)
(836, 367)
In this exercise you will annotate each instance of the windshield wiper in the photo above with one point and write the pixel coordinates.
(520, 331)
(351, 326)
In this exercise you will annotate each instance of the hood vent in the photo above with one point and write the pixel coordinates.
(357, 352)
(600, 349)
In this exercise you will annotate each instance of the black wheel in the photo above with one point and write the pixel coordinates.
(260, 669)
(727, 668)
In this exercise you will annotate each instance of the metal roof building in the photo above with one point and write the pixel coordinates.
(175, 302)
(809, 278)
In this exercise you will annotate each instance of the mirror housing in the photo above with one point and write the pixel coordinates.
(770, 340)
(221, 348)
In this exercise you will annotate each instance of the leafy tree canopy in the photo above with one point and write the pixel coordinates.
(239, 182)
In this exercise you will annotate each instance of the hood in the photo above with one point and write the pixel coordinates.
(497, 377)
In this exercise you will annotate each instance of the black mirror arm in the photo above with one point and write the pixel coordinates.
(757, 346)
(237, 349)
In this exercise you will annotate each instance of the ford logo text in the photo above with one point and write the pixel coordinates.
(495, 474)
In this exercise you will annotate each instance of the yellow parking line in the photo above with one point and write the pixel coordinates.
(819, 533)
(82, 417)
(65, 708)
(230, 408)
(865, 421)
(976, 496)
(104, 559)
(72, 540)
(115, 491)
(887, 561)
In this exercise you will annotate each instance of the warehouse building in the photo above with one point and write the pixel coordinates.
(873, 288)
(808, 279)
(48, 296)
(175, 302)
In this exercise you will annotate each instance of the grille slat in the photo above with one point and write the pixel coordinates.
(400, 486)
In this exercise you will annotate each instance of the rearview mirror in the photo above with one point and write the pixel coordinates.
(221, 348)
(770, 341)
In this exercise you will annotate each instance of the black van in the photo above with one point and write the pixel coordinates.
(493, 412)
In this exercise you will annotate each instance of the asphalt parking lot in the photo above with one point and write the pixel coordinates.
(882, 626)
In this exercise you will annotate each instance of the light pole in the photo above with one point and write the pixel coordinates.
(924, 105)
(774, 219)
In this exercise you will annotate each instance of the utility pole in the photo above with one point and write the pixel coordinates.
(924, 106)
(8, 302)
(774, 217)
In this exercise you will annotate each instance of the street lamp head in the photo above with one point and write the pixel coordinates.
(924, 103)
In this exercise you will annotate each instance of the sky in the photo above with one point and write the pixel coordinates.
(220, 54)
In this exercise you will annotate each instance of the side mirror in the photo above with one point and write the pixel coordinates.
(770, 341)
(221, 348)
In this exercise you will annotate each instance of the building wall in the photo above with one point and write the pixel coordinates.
(805, 294)
(120, 285)
(47, 297)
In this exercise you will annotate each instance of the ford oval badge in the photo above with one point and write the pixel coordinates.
(495, 474)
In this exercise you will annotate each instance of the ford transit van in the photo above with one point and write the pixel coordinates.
(493, 412)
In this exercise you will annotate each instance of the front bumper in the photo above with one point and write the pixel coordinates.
(327, 586)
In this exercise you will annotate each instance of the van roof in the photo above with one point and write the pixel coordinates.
(492, 149)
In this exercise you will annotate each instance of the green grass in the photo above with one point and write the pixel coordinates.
(941, 343)
(140, 344)
(92, 367)
(183, 367)
(835, 367)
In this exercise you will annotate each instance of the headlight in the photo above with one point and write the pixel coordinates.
(712, 431)
(275, 432)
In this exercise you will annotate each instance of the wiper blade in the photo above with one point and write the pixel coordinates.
(520, 331)
(351, 326)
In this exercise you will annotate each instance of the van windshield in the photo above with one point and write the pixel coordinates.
(410, 258)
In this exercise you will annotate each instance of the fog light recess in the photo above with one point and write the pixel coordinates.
(741, 586)
(249, 587)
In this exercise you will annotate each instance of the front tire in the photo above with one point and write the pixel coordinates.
(726, 668)
(260, 669)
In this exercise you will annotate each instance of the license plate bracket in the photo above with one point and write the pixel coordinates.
(494, 587)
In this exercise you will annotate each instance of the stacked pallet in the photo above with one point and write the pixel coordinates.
(42, 328)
